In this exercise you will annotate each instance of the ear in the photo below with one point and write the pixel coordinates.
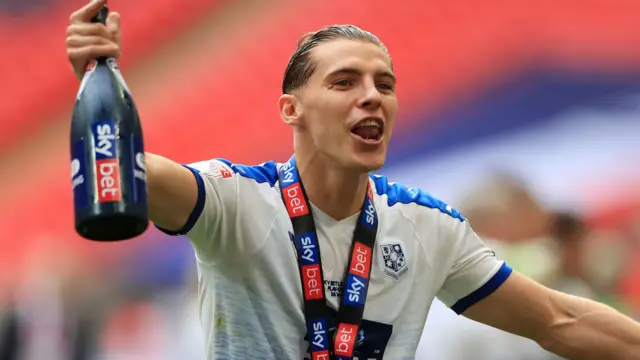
(290, 109)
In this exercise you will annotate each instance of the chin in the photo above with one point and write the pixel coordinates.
(369, 163)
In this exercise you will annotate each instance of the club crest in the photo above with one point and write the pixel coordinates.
(395, 262)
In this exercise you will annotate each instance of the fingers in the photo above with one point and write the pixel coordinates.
(89, 29)
(87, 40)
(113, 21)
(80, 41)
(84, 53)
(113, 25)
(86, 13)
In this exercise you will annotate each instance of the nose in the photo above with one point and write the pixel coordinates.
(371, 98)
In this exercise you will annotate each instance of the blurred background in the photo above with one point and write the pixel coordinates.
(525, 115)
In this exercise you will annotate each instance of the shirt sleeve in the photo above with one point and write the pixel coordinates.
(473, 271)
(226, 204)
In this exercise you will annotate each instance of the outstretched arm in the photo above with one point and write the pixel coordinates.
(173, 192)
(569, 326)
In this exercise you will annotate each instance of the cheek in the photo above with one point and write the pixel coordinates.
(322, 127)
(331, 116)
(392, 104)
(336, 109)
(391, 110)
(327, 115)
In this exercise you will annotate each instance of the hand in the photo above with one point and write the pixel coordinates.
(87, 41)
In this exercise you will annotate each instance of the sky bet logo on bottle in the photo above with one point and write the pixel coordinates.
(319, 340)
(355, 289)
(107, 164)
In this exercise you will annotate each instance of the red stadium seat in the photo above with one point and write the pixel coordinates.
(33, 92)
(227, 103)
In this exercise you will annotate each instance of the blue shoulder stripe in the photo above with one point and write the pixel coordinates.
(267, 172)
(197, 209)
(485, 290)
(264, 173)
(397, 193)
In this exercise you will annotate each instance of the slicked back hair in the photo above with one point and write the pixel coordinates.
(301, 66)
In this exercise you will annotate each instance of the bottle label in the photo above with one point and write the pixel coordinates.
(108, 184)
(91, 67)
(108, 167)
(139, 170)
(79, 175)
(113, 65)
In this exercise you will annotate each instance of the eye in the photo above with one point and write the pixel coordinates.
(343, 82)
(385, 86)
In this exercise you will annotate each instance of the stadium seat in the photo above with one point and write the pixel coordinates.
(230, 111)
(33, 91)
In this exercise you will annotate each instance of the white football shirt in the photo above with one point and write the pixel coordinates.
(250, 293)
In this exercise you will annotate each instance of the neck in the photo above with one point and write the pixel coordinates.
(336, 191)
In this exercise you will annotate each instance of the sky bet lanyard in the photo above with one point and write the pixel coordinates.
(310, 266)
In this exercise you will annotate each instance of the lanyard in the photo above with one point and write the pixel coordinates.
(310, 265)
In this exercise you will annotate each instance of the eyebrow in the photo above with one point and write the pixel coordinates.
(354, 71)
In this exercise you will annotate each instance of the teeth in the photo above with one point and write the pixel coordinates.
(369, 122)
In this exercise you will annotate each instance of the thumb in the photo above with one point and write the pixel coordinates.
(113, 24)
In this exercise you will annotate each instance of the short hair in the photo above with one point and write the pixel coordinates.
(301, 66)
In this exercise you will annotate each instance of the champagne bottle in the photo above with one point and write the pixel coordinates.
(107, 155)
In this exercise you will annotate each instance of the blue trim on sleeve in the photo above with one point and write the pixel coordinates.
(485, 290)
(397, 193)
(197, 209)
(264, 173)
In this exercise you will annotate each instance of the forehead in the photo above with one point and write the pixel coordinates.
(343, 53)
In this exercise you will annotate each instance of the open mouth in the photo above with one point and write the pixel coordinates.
(370, 129)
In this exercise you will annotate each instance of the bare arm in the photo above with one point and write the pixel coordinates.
(172, 190)
(569, 326)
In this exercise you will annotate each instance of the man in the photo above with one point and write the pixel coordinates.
(268, 237)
